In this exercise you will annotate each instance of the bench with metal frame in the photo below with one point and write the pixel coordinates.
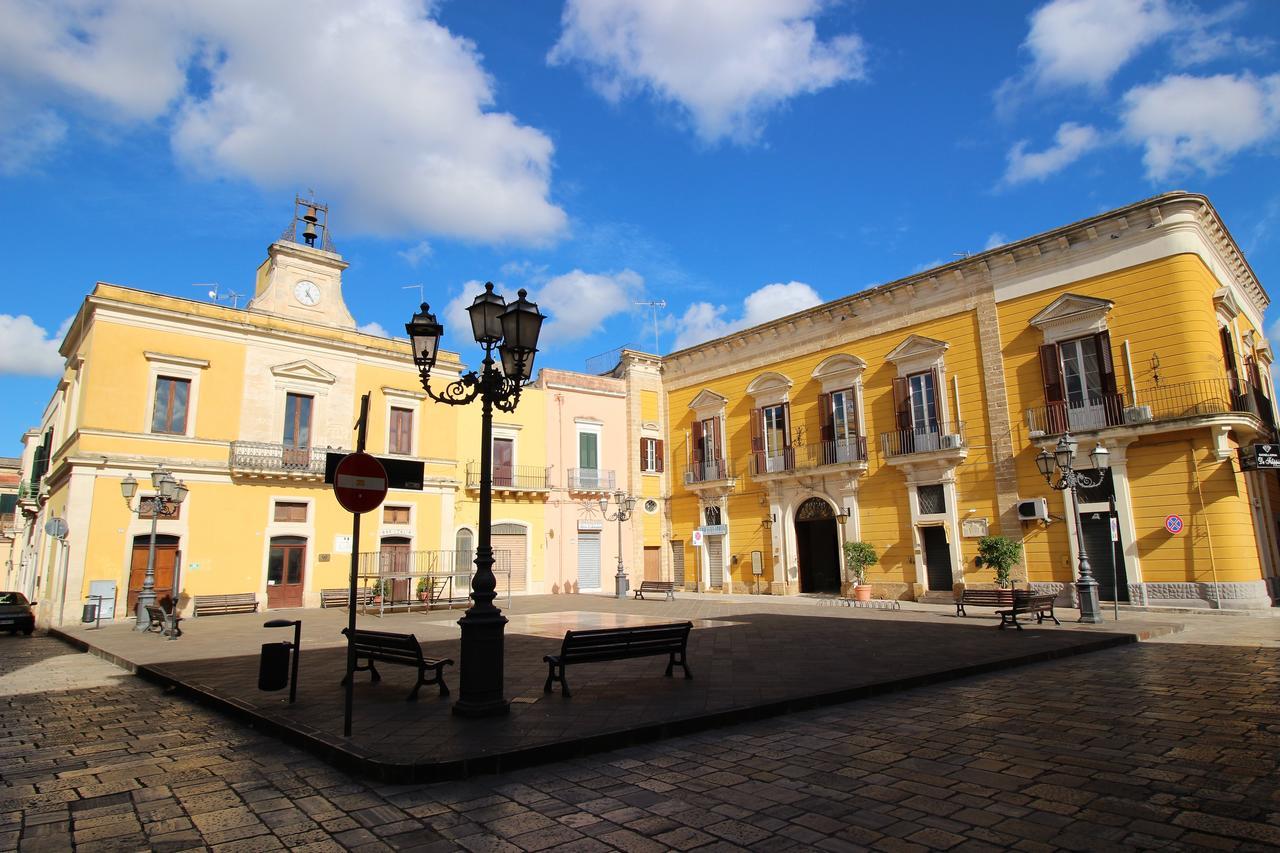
(1026, 603)
(403, 649)
(666, 587)
(340, 596)
(604, 644)
(237, 602)
(983, 598)
(163, 621)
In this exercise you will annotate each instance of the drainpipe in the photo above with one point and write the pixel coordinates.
(1213, 564)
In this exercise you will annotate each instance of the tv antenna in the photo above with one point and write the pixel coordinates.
(418, 288)
(654, 306)
(216, 294)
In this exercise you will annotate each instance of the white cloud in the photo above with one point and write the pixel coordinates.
(725, 65)
(995, 239)
(415, 254)
(380, 108)
(1070, 143)
(703, 321)
(1085, 42)
(27, 137)
(27, 350)
(374, 328)
(1187, 123)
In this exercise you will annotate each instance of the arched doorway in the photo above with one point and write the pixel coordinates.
(167, 557)
(817, 546)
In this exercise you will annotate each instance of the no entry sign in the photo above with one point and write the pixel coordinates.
(359, 483)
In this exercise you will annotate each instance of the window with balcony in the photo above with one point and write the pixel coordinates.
(400, 431)
(651, 455)
(588, 474)
(504, 461)
(708, 455)
(1080, 383)
(771, 438)
(169, 409)
(838, 419)
(297, 429)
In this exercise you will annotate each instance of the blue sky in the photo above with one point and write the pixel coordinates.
(739, 159)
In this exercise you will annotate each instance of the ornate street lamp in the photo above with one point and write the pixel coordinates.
(169, 495)
(1063, 459)
(513, 330)
(625, 504)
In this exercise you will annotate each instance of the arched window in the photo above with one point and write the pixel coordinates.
(464, 552)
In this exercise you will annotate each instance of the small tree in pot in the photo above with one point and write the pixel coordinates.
(857, 556)
(1000, 553)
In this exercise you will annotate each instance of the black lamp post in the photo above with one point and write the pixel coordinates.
(1063, 458)
(512, 329)
(626, 504)
(169, 495)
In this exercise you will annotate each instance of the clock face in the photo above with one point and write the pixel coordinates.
(306, 293)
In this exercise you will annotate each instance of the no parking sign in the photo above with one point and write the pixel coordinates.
(1173, 524)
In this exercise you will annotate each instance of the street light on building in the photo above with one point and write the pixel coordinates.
(169, 495)
(625, 505)
(513, 330)
(1063, 459)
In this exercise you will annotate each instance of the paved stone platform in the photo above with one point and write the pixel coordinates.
(750, 659)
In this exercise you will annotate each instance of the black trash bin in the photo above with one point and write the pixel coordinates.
(90, 613)
(273, 667)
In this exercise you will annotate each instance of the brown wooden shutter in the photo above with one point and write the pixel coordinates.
(1105, 365)
(938, 391)
(1228, 353)
(717, 435)
(757, 430)
(825, 426)
(697, 442)
(644, 447)
(902, 402)
(1051, 374)
(786, 424)
(657, 454)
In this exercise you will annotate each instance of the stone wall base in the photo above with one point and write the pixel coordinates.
(1246, 595)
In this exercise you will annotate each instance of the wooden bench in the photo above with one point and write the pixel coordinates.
(1027, 603)
(402, 649)
(666, 587)
(984, 598)
(339, 596)
(163, 622)
(601, 644)
(239, 602)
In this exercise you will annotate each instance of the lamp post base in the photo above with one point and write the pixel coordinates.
(143, 619)
(480, 669)
(620, 584)
(1090, 609)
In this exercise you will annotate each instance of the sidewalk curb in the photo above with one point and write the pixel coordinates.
(343, 754)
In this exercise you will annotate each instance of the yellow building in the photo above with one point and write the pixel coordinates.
(910, 416)
(242, 405)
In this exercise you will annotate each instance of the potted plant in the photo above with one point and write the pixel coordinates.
(422, 589)
(1000, 553)
(857, 556)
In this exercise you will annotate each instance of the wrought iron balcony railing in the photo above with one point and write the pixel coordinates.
(708, 471)
(591, 480)
(773, 462)
(267, 458)
(927, 438)
(845, 451)
(1175, 401)
(29, 490)
(519, 478)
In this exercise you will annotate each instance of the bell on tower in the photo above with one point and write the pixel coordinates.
(314, 217)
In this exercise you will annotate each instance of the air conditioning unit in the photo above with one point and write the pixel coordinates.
(951, 441)
(1036, 509)
(1137, 414)
(688, 478)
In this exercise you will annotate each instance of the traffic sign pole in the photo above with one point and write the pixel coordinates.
(361, 434)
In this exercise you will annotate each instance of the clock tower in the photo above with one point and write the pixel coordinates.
(300, 279)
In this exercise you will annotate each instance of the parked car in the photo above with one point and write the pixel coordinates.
(16, 613)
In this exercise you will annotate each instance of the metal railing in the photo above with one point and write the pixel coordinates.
(591, 480)
(271, 458)
(1158, 403)
(772, 462)
(707, 471)
(844, 451)
(941, 435)
(390, 580)
(512, 477)
(28, 490)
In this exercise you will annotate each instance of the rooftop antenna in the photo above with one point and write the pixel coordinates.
(654, 307)
(418, 288)
(964, 255)
(216, 293)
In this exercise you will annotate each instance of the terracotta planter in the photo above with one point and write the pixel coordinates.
(862, 592)
(422, 596)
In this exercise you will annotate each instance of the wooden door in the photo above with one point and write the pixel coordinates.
(166, 563)
(937, 559)
(395, 561)
(286, 565)
(504, 455)
(652, 563)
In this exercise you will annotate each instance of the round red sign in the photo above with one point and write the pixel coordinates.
(359, 482)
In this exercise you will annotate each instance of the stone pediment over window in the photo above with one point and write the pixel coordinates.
(1072, 316)
(839, 371)
(1226, 304)
(303, 371)
(769, 388)
(707, 404)
(917, 353)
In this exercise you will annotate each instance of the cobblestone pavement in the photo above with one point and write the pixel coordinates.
(1150, 745)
